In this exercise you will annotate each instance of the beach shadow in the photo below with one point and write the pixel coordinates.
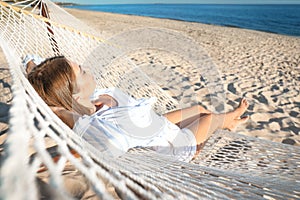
(4, 112)
(4, 126)
(5, 82)
(4, 118)
(5, 99)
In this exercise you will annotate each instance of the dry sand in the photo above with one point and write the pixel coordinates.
(263, 67)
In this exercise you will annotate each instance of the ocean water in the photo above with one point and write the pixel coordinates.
(280, 19)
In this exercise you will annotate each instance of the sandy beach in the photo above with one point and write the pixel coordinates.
(263, 67)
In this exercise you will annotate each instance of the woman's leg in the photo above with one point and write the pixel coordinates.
(190, 113)
(206, 124)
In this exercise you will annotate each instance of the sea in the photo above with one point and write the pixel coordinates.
(280, 18)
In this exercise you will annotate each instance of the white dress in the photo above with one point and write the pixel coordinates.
(133, 123)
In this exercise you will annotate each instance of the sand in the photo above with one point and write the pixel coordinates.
(263, 67)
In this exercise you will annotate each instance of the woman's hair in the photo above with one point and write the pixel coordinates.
(54, 81)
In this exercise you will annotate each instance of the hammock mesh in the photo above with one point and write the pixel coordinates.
(39, 146)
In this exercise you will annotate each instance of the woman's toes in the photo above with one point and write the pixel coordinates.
(244, 103)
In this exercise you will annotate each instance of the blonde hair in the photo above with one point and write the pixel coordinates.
(54, 81)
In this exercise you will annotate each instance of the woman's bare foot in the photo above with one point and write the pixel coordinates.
(241, 109)
(233, 118)
(237, 122)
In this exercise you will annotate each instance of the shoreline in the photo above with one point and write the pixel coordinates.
(229, 23)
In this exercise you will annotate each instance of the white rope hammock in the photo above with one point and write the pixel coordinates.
(230, 166)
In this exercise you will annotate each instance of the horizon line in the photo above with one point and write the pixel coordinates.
(182, 3)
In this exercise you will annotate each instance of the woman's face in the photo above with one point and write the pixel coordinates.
(85, 83)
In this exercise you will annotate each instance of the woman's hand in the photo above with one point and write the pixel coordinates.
(105, 100)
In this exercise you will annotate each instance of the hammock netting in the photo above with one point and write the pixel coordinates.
(40, 147)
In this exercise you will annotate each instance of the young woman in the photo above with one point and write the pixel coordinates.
(114, 122)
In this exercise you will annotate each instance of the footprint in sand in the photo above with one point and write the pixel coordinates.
(261, 98)
(231, 88)
(288, 141)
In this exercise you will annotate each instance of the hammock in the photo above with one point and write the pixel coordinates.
(230, 166)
